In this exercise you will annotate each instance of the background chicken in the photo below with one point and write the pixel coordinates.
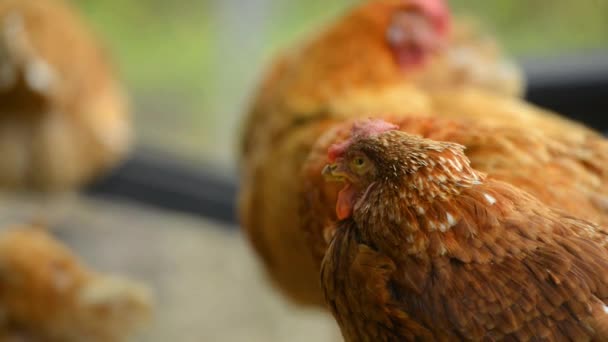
(63, 115)
(432, 249)
(350, 70)
(378, 57)
(46, 293)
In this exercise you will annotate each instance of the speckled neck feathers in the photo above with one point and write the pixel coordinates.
(416, 179)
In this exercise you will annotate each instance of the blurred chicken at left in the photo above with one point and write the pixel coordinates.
(64, 120)
(47, 294)
(63, 113)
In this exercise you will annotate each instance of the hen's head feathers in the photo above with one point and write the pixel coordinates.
(360, 130)
(396, 153)
(397, 164)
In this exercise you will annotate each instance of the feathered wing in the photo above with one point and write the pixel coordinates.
(501, 111)
(355, 280)
(514, 269)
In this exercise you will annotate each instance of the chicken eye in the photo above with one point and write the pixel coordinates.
(359, 164)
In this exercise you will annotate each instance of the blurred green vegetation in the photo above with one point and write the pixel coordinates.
(191, 64)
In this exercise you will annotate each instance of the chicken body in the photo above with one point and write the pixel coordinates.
(46, 294)
(349, 70)
(429, 248)
(292, 206)
(63, 113)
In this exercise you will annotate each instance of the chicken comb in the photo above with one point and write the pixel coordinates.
(411, 46)
(361, 129)
(437, 10)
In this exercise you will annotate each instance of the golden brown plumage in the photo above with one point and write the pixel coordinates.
(430, 248)
(310, 97)
(352, 68)
(63, 113)
(47, 294)
(293, 207)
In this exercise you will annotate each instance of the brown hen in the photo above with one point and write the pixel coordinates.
(428, 248)
(63, 114)
(47, 294)
(378, 57)
(352, 69)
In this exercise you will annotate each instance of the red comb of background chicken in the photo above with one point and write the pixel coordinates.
(417, 30)
(361, 129)
(437, 11)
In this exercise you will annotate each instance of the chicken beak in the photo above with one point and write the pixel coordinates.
(334, 173)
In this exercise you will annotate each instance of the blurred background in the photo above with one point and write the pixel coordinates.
(191, 64)
(190, 67)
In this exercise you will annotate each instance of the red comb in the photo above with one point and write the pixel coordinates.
(370, 127)
(412, 43)
(361, 129)
(437, 10)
